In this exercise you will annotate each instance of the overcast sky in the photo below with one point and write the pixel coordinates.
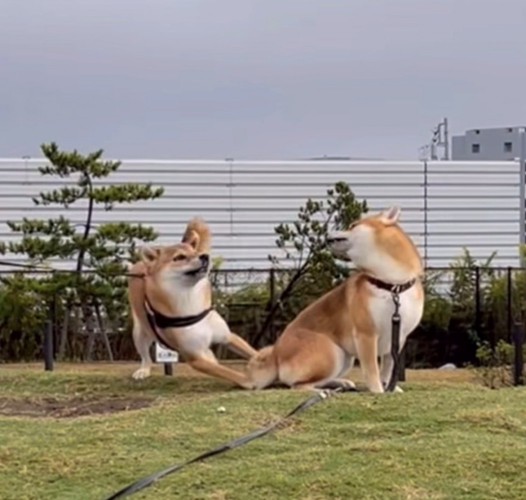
(256, 79)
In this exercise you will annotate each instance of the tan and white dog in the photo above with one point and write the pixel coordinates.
(177, 293)
(354, 319)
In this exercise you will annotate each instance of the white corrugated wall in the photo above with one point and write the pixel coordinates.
(446, 205)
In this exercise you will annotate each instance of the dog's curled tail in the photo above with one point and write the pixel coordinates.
(197, 230)
(262, 369)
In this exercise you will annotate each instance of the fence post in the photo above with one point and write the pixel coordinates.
(509, 302)
(518, 342)
(477, 304)
(272, 297)
(522, 191)
(48, 346)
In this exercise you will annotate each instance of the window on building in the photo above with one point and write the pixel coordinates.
(508, 147)
(475, 148)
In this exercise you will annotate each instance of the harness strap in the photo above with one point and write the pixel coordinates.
(153, 326)
(163, 321)
(159, 321)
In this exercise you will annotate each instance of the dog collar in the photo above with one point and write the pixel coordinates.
(390, 287)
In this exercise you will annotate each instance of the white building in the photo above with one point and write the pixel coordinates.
(489, 144)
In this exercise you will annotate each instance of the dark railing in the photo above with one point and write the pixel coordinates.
(465, 306)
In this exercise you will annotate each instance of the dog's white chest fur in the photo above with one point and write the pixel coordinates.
(197, 338)
(381, 307)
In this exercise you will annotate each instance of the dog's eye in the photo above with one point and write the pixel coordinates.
(179, 257)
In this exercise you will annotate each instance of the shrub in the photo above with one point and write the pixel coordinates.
(23, 317)
(494, 368)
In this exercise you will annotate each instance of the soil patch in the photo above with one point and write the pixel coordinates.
(68, 408)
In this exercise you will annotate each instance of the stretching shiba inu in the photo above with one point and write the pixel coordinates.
(172, 302)
(354, 319)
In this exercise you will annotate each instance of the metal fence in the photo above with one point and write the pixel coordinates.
(446, 205)
(464, 308)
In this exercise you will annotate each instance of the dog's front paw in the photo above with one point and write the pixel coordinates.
(397, 388)
(141, 373)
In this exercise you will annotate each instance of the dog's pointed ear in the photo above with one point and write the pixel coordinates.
(149, 254)
(390, 216)
(197, 235)
(192, 238)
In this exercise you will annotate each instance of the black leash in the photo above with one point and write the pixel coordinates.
(45, 270)
(149, 480)
(30, 267)
(395, 342)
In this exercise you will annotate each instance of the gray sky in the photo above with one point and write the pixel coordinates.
(256, 79)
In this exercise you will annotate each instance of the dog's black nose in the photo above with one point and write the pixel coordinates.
(205, 259)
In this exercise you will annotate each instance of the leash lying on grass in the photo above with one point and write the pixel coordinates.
(149, 480)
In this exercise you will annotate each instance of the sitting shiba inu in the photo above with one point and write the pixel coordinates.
(354, 319)
(171, 302)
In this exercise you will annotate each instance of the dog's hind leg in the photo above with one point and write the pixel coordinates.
(242, 348)
(262, 369)
(143, 342)
(232, 341)
(312, 361)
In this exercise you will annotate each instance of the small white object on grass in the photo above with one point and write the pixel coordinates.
(221, 409)
(448, 366)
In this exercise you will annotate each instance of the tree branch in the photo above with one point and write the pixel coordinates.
(300, 272)
(87, 228)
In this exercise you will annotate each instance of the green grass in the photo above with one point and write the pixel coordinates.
(445, 437)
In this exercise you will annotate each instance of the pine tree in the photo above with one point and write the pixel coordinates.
(99, 251)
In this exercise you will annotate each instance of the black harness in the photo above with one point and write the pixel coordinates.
(159, 321)
(395, 291)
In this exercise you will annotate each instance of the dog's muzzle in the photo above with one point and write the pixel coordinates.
(338, 246)
(331, 240)
(204, 261)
